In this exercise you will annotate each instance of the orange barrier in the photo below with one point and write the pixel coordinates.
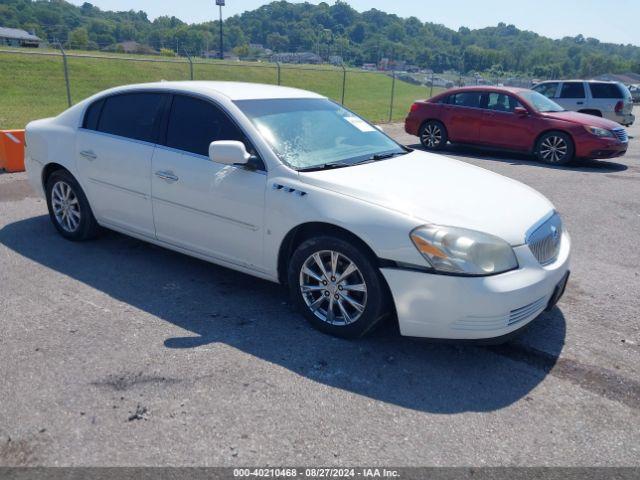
(12, 150)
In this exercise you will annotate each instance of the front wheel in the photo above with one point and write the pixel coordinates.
(555, 148)
(433, 135)
(336, 287)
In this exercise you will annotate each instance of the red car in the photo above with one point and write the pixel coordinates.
(514, 119)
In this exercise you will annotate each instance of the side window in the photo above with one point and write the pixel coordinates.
(195, 123)
(500, 102)
(572, 90)
(547, 89)
(132, 115)
(605, 90)
(466, 99)
(92, 115)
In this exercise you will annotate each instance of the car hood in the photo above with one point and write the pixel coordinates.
(583, 119)
(436, 189)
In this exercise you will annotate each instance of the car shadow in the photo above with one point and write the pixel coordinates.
(214, 304)
(479, 153)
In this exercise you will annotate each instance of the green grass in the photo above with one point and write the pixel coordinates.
(33, 86)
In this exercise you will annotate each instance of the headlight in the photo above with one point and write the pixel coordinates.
(599, 132)
(461, 251)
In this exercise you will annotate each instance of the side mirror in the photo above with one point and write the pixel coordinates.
(229, 152)
(521, 111)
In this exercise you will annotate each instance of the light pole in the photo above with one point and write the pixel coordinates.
(220, 4)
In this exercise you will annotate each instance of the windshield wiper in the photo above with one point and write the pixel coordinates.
(325, 166)
(373, 158)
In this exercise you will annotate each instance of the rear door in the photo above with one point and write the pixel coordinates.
(206, 207)
(501, 127)
(572, 96)
(114, 150)
(463, 116)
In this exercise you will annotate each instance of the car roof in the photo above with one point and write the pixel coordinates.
(485, 88)
(231, 90)
(578, 80)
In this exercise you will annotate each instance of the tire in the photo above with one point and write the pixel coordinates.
(69, 209)
(433, 135)
(555, 148)
(357, 303)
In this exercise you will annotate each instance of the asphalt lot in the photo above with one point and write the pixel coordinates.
(116, 352)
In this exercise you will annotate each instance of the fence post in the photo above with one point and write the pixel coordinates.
(393, 94)
(432, 77)
(344, 82)
(278, 67)
(190, 64)
(66, 72)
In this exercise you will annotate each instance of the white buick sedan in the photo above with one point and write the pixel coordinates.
(288, 186)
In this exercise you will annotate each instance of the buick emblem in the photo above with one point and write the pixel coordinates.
(555, 234)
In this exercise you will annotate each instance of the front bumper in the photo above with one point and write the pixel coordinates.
(594, 147)
(453, 307)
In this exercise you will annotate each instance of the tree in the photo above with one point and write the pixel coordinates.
(79, 38)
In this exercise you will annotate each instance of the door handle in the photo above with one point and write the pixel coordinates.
(167, 176)
(580, 103)
(88, 154)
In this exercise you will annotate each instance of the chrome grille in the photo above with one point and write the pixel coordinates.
(544, 241)
(621, 134)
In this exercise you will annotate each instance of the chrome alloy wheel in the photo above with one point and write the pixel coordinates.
(431, 136)
(554, 149)
(333, 287)
(66, 206)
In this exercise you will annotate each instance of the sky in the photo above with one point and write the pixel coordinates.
(607, 20)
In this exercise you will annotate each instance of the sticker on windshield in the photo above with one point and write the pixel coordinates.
(360, 124)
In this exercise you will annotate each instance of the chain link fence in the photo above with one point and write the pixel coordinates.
(36, 83)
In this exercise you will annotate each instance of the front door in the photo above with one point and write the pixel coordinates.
(208, 208)
(501, 127)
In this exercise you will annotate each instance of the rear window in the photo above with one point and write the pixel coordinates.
(466, 99)
(606, 90)
(132, 115)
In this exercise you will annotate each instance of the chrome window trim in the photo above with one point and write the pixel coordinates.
(118, 137)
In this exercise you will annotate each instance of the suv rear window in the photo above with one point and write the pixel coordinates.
(606, 90)
(132, 115)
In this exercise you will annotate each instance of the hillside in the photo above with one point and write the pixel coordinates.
(330, 30)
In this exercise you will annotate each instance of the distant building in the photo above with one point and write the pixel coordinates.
(369, 66)
(301, 57)
(216, 54)
(15, 37)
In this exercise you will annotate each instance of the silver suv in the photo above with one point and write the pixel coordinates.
(610, 100)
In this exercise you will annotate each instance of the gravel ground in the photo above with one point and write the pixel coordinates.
(116, 352)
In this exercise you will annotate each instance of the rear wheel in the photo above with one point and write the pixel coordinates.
(68, 207)
(337, 287)
(555, 148)
(433, 135)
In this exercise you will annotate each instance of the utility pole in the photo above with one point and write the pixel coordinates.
(220, 4)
